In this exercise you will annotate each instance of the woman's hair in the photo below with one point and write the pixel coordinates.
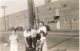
(38, 36)
(29, 28)
(41, 22)
(14, 29)
(35, 26)
(42, 33)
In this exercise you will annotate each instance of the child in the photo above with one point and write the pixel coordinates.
(13, 41)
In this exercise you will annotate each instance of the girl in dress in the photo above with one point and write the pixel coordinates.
(28, 39)
(13, 41)
(41, 44)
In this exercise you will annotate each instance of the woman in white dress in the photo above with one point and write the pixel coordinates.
(13, 41)
(41, 44)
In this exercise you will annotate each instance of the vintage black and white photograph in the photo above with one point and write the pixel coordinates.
(39, 25)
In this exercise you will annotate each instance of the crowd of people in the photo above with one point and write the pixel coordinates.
(35, 38)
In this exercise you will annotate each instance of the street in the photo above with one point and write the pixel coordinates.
(57, 41)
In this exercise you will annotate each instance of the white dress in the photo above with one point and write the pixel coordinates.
(13, 43)
(44, 44)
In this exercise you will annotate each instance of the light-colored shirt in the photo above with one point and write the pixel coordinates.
(27, 34)
(13, 39)
(33, 33)
(43, 28)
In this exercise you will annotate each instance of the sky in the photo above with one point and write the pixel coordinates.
(13, 6)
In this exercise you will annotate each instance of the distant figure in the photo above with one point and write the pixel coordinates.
(58, 24)
(28, 39)
(13, 41)
(41, 44)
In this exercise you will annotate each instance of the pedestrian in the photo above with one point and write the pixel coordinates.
(28, 39)
(13, 38)
(34, 39)
(41, 44)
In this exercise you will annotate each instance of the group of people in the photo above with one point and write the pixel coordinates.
(35, 39)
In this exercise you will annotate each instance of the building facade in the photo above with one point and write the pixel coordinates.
(68, 10)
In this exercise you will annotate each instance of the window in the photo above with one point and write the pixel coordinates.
(64, 5)
(50, 9)
(75, 19)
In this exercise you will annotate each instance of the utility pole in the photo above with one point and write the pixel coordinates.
(37, 17)
(4, 7)
(31, 12)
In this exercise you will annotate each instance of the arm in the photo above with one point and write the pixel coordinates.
(42, 41)
(26, 42)
(24, 34)
(45, 30)
(10, 38)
